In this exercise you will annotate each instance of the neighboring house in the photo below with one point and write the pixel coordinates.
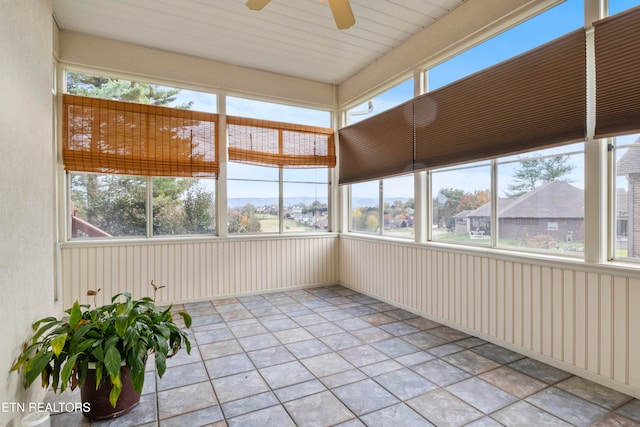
(629, 165)
(462, 222)
(553, 209)
(622, 214)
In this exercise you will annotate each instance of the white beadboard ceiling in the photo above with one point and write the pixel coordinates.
(291, 37)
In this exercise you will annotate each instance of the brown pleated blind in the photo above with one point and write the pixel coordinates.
(617, 46)
(534, 100)
(276, 144)
(378, 147)
(117, 137)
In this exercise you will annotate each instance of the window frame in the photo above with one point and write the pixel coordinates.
(149, 234)
(612, 218)
(220, 181)
(381, 209)
(281, 201)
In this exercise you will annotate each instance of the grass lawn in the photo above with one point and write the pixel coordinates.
(269, 224)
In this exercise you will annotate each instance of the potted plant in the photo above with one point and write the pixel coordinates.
(103, 350)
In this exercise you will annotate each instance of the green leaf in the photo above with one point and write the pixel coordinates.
(112, 361)
(35, 366)
(51, 322)
(163, 331)
(83, 367)
(122, 322)
(50, 319)
(84, 345)
(98, 353)
(67, 369)
(138, 380)
(187, 318)
(115, 392)
(78, 335)
(57, 344)
(99, 374)
(188, 343)
(161, 363)
(55, 375)
(75, 315)
(131, 337)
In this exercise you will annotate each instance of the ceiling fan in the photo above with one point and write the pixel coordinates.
(341, 9)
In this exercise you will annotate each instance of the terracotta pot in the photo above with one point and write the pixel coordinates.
(99, 406)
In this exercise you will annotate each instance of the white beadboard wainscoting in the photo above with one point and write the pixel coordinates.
(197, 269)
(580, 318)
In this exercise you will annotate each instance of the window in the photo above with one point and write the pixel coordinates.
(365, 207)
(116, 206)
(398, 205)
(118, 186)
(262, 110)
(277, 175)
(534, 32)
(461, 205)
(139, 92)
(108, 205)
(626, 210)
(393, 197)
(253, 199)
(306, 200)
(541, 200)
(382, 102)
(183, 206)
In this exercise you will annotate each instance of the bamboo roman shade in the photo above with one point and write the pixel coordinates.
(276, 144)
(378, 147)
(117, 137)
(617, 47)
(534, 100)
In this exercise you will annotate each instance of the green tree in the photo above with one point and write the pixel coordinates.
(198, 210)
(114, 204)
(410, 203)
(372, 222)
(534, 171)
(243, 220)
(315, 207)
(123, 90)
(446, 205)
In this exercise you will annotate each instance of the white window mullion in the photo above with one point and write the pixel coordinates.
(596, 203)
(222, 211)
(494, 221)
(149, 206)
(381, 206)
(280, 201)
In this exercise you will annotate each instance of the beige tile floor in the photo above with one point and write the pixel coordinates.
(331, 356)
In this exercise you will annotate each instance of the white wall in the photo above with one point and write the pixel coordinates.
(581, 318)
(26, 183)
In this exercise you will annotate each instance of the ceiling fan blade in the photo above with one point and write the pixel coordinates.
(257, 4)
(342, 13)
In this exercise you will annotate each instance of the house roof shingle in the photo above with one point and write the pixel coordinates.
(554, 199)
